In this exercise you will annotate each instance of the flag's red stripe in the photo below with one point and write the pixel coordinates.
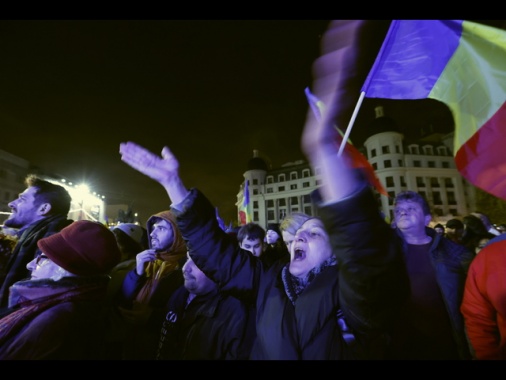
(482, 159)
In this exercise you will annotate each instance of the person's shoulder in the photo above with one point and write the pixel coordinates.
(493, 253)
(497, 239)
(449, 247)
(52, 225)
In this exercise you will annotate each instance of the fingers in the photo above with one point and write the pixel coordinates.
(147, 255)
(166, 152)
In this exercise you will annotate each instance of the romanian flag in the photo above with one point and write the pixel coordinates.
(245, 209)
(462, 64)
(358, 160)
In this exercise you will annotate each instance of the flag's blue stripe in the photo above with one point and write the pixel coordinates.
(412, 57)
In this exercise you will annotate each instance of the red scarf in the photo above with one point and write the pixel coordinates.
(30, 298)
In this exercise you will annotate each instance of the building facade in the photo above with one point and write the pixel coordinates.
(13, 170)
(425, 165)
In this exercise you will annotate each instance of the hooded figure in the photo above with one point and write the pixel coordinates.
(144, 293)
(170, 258)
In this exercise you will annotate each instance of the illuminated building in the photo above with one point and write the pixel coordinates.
(425, 165)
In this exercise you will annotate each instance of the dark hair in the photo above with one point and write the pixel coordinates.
(474, 225)
(46, 192)
(439, 225)
(474, 231)
(252, 231)
(455, 223)
(413, 196)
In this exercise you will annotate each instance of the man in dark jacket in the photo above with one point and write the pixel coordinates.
(39, 211)
(203, 323)
(431, 326)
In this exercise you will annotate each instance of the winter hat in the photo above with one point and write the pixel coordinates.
(133, 230)
(274, 227)
(84, 248)
(487, 223)
(455, 224)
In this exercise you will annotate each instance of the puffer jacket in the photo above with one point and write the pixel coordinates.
(483, 305)
(369, 283)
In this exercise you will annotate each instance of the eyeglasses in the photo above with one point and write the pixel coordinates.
(41, 259)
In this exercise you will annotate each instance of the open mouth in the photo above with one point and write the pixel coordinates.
(298, 254)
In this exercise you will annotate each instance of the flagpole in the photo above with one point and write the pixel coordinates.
(350, 124)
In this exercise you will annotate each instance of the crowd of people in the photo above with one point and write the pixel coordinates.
(183, 287)
(342, 285)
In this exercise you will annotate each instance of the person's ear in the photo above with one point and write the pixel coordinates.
(44, 209)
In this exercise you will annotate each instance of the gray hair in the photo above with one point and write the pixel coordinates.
(293, 221)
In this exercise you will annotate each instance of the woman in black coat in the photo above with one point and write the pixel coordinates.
(339, 294)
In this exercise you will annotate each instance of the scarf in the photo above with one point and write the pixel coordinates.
(294, 286)
(155, 271)
(30, 298)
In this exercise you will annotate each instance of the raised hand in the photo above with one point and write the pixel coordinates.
(161, 169)
(164, 169)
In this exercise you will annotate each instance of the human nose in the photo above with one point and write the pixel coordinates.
(31, 265)
(401, 211)
(301, 236)
(187, 267)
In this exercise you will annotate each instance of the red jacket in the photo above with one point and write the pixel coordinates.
(483, 305)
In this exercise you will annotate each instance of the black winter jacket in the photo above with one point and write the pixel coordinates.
(213, 326)
(369, 283)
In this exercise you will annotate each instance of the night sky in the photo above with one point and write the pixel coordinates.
(71, 91)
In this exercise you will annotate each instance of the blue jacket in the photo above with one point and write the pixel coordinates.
(369, 284)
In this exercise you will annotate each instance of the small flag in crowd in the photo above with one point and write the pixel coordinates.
(358, 159)
(245, 208)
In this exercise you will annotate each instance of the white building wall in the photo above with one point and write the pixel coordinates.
(430, 170)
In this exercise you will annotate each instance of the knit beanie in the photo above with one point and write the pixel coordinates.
(274, 227)
(133, 230)
(84, 248)
(455, 224)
